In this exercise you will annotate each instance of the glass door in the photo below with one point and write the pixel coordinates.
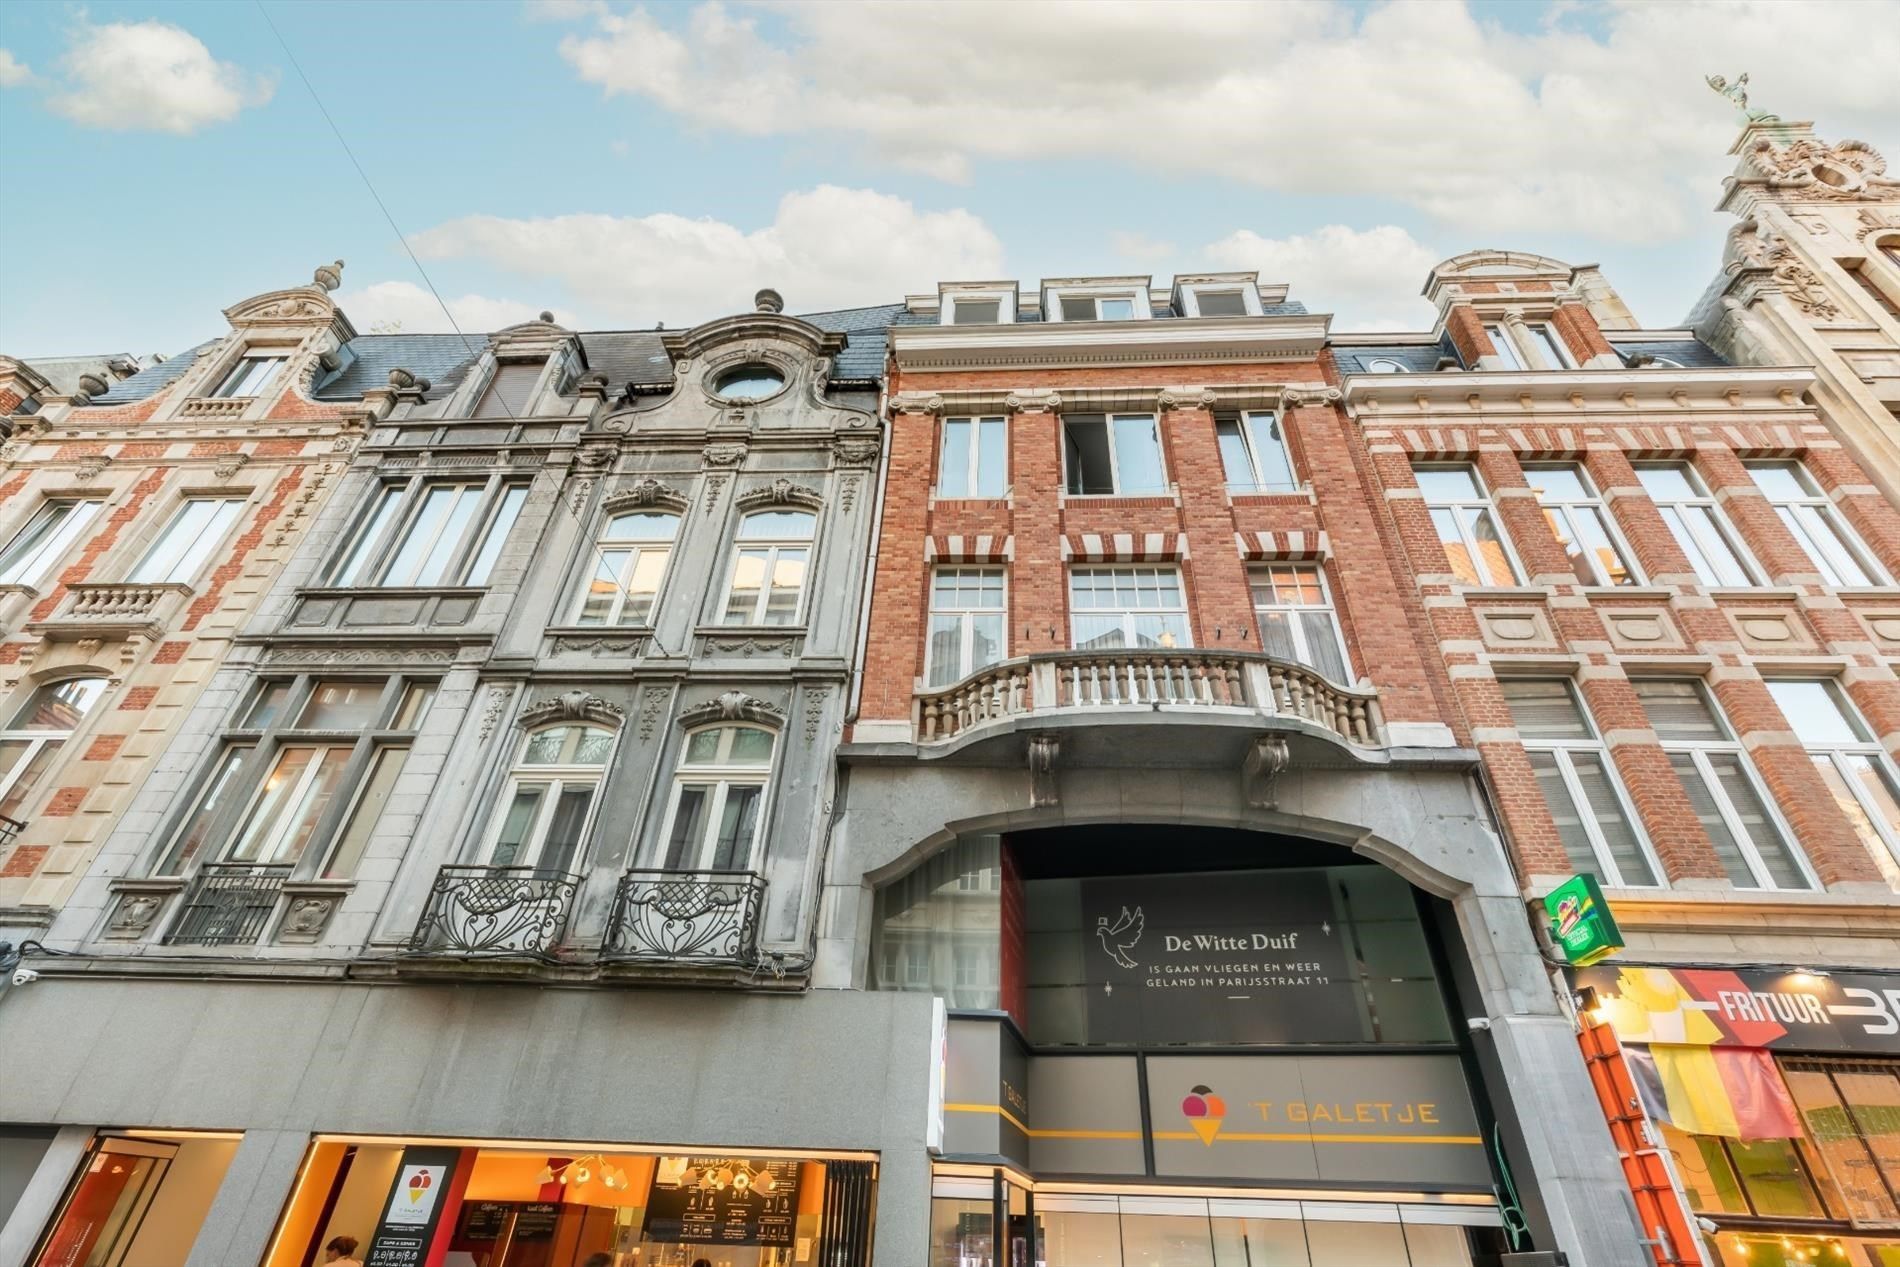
(105, 1204)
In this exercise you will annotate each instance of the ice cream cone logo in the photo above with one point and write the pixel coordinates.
(1204, 1111)
(419, 1183)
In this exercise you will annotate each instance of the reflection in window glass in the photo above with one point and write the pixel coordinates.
(342, 705)
(1853, 1117)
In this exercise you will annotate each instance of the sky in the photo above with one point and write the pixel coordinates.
(623, 165)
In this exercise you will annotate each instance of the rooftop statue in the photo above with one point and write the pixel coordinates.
(1737, 93)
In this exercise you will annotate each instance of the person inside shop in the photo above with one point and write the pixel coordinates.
(341, 1252)
(602, 1259)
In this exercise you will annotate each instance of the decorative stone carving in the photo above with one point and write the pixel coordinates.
(1639, 628)
(1309, 396)
(595, 457)
(855, 450)
(1043, 784)
(90, 467)
(723, 454)
(782, 492)
(230, 464)
(498, 696)
(306, 917)
(1023, 403)
(1848, 171)
(848, 492)
(1884, 626)
(652, 708)
(1513, 626)
(616, 644)
(91, 387)
(920, 403)
(734, 705)
(1187, 399)
(573, 705)
(328, 276)
(748, 647)
(1267, 759)
(1873, 222)
(645, 493)
(768, 300)
(134, 915)
(379, 656)
(814, 713)
(1751, 246)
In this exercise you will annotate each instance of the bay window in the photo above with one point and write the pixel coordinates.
(431, 534)
(768, 568)
(550, 798)
(196, 529)
(712, 821)
(1467, 525)
(44, 541)
(1114, 453)
(1297, 620)
(1579, 781)
(32, 739)
(1851, 762)
(1127, 606)
(629, 563)
(967, 615)
(1807, 513)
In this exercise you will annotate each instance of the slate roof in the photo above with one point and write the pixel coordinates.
(63, 371)
(1417, 358)
(1691, 354)
(147, 382)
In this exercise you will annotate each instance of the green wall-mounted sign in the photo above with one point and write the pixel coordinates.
(1580, 921)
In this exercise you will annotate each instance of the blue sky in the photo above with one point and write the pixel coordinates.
(623, 165)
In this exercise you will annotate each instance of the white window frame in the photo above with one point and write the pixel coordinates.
(1137, 297)
(973, 466)
(1710, 515)
(1302, 648)
(772, 546)
(37, 739)
(1462, 511)
(1505, 344)
(1698, 752)
(1248, 291)
(1812, 543)
(196, 551)
(637, 548)
(966, 640)
(1840, 753)
(1128, 614)
(1114, 457)
(242, 369)
(1004, 299)
(1245, 422)
(1562, 750)
(1566, 508)
(723, 776)
(33, 564)
(1550, 345)
(557, 777)
(384, 525)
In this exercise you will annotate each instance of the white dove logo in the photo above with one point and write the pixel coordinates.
(1120, 938)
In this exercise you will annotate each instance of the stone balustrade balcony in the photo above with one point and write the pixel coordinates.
(216, 406)
(112, 609)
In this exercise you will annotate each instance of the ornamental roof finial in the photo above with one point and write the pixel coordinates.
(1737, 95)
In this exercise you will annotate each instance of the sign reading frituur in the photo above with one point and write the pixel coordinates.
(1231, 958)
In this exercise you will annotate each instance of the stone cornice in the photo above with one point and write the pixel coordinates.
(1543, 392)
(1055, 345)
(1221, 397)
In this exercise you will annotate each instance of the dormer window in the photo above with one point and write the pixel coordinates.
(1220, 303)
(1556, 355)
(1096, 308)
(251, 375)
(976, 303)
(975, 312)
(510, 390)
(1506, 350)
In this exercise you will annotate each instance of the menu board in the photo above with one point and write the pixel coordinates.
(723, 1201)
(486, 1220)
(414, 1207)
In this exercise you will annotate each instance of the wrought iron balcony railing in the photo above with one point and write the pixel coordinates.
(496, 912)
(1124, 678)
(230, 903)
(10, 829)
(698, 917)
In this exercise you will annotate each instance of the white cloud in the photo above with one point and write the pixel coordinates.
(13, 71)
(826, 247)
(1611, 134)
(1370, 278)
(150, 76)
(410, 308)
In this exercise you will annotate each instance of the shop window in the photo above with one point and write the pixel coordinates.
(303, 776)
(630, 560)
(1851, 762)
(1467, 525)
(718, 799)
(967, 615)
(1581, 525)
(510, 390)
(422, 534)
(1138, 607)
(1579, 781)
(1701, 531)
(136, 1199)
(195, 530)
(1852, 1114)
(929, 918)
(1297, 620)
(1112, 454)
(769, 568)
(44, 541)
(1808, 514)
(549, 799)
(1254, 453)
(975, 458)
(32, 740)
(1720, 782)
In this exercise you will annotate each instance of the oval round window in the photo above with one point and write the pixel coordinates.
(748, 382)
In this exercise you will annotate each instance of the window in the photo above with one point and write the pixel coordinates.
(1577, 518)
(966, 622)
(718, 792)
(1297, 621)
(768, 573)
(1467, 526)
(432, 534)
(1720, 784)
(303, 775)
(748, 382)
(1220, 303)
(975, 461)
(510, 390)
(549, 800)
(1384, 365)
(1806, 512)
(1852, 1113)
(1253, 451)
(1128, 607)
(1578, 780)
(1856, 271)
(1506, 349)
(47, 536)
(251, 375)
(188, 540)
(36, 733)
(975, 312)
(629, 563)
(1096, 308)
(1115, 453)
(1851, 762)
(1550, 346)
(1696, 524)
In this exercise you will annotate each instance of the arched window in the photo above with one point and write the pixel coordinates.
(1382, 365)
(33, 737)
(718, 793)
(549, 801)
(628, 569)
(768, 568)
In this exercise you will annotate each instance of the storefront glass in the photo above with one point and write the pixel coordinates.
(137, 1199)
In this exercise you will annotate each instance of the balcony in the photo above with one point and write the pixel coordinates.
(495, 912)
(114, 609)
(229, 904)
(216, 406)
(686, 917)
(1073, 683)
(10, 829)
